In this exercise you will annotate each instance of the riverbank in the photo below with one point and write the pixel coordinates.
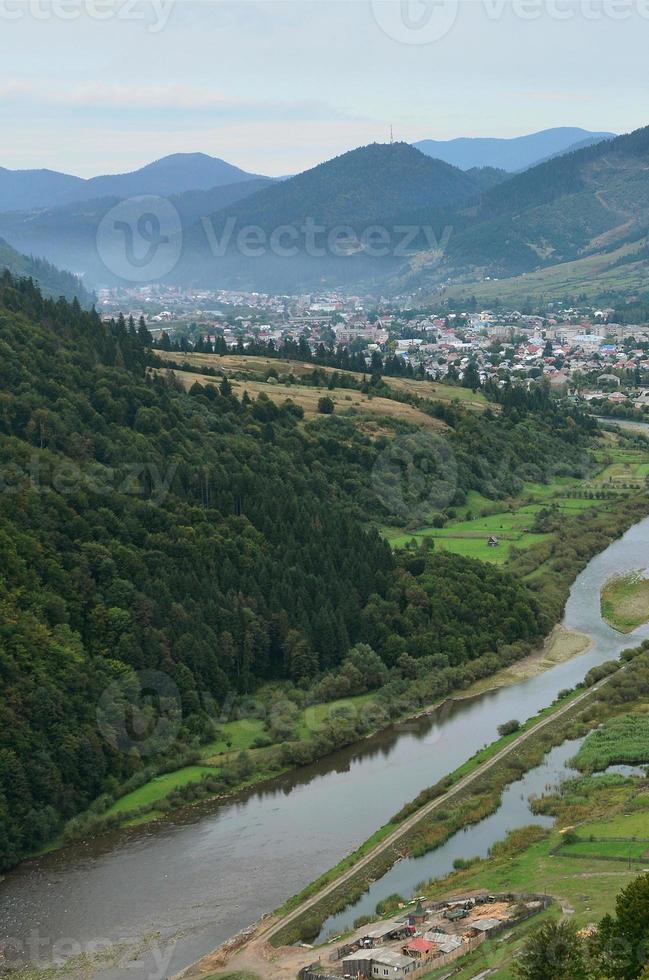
(246, 754)
(549, 567)
(142, 806)
(559, 647)
(466, 793)
(231, 861)
(577, 711)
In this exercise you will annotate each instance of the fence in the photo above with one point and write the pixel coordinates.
(311, 973)
(435, 962)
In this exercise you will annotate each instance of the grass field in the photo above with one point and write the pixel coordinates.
(158, 788)
(627, 825)
(511, 521)
(619, 740)
(236, 736)
(236, 364)
(346, 401)
(617, 850)
(625, 601)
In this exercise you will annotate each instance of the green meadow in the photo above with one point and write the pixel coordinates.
(235, 736)
(619, 472)
(510, 521)
(159, 787)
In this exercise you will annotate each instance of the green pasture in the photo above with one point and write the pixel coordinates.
(159, 787)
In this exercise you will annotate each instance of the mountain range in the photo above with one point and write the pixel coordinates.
(67, 235)
(592, 204)
(365, 186)
(586, 205)
(512, 155)
(578, 218)
(22, 190)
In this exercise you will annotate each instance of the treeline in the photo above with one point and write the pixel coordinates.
(339, 356)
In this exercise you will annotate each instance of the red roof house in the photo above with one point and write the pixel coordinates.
(419, 948)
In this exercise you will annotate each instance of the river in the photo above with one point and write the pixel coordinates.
(514, 811)
(163, 895)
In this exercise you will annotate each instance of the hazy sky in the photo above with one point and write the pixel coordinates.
(90, 86)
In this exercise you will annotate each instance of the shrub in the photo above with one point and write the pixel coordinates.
(509, 727)
(326, 405)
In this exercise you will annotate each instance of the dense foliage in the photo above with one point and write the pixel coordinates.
(221, 543)
(617, 950)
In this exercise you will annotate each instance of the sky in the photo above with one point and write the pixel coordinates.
(105, 86)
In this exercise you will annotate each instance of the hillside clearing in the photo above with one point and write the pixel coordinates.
(234, 364)
(346, 401)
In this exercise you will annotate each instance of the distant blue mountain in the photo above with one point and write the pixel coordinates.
(511, 155)
(24, 190)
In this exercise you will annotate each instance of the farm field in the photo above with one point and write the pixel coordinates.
(621, 467)
(469, 539)
(625, 601)
(510, 522)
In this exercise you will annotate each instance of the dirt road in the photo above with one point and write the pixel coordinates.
(257, 948)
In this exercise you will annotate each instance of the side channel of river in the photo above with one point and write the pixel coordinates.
(165, 895)
(476, 841)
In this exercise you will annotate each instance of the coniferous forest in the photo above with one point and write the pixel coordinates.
(221, 542)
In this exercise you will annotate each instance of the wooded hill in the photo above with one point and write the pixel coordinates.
(222, 542)
(438, 225)
(52, 281)
(592, 202)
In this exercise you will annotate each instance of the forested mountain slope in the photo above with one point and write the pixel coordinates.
(341, 201)
(51, 280)
(584, 203)
(219, 542)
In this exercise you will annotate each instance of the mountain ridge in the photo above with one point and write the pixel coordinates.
(586, 203)
(22, 190)
(510, 153)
